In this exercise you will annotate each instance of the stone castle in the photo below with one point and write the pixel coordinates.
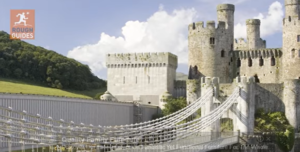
(215, 56)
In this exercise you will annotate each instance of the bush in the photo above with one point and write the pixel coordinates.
(276, 122)
(174, 104)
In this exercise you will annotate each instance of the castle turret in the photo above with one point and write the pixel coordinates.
(225, 13)
(210, 46)
(253, 34)
(292, 8)
(291, 40)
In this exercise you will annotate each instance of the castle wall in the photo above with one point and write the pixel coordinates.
(141, 76)
(267, 73)
(179, 89)
(193, 90)
(269, 97)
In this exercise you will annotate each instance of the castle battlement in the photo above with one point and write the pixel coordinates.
(244, 79)
(253, 22)
(222, 7)
(264, 53)
(198, 27)
(141, 59)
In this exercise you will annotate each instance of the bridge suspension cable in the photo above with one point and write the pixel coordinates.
(49, 134)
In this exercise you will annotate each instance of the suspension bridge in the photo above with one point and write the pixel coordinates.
(23, 130)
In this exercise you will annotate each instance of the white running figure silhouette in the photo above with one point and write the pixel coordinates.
(22, 18)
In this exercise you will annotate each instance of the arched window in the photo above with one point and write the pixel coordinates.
(272, 61)
(212, 40)
(222, 53)
(293, 53)
(238, 63)
(290, 19)
(298, 38)
(261, 61)
(249, 62)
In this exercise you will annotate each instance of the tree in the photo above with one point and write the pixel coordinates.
(18, 73)
(276, 122)
(18, 58)
(174, 104)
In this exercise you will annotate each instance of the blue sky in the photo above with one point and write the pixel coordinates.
(88, 29)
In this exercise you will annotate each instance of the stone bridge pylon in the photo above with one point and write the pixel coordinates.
(241, 112)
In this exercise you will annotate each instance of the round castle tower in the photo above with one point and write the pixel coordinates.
(253, 33)
(291, 40)
(210, 47)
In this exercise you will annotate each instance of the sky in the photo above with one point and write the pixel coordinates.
(86, 30)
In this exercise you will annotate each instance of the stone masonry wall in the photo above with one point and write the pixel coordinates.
(269, 97)
(141, 77)
(265, 71)
(291, 44)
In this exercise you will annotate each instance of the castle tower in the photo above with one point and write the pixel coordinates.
(253, 34)
(210, 46)
(225, 13)
(291, 40)
(141, 77)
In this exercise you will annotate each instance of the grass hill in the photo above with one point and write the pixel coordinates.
(27, 87)
(23, 61)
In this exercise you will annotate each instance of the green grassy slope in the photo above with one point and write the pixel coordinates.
(26, 87)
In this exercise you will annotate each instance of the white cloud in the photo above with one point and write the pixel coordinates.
(47, 47)
(224, 1)
(270, 23)
(162, 32)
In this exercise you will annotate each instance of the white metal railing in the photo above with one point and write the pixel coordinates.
(16, 128)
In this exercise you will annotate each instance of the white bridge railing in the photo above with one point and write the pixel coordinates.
(19, 128)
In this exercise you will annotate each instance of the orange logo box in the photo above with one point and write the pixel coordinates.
(22, 24)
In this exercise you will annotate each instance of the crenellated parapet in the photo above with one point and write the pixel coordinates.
(222, 7)
(210, 28)
(264, 53)
(252, 22)
(141, 60)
